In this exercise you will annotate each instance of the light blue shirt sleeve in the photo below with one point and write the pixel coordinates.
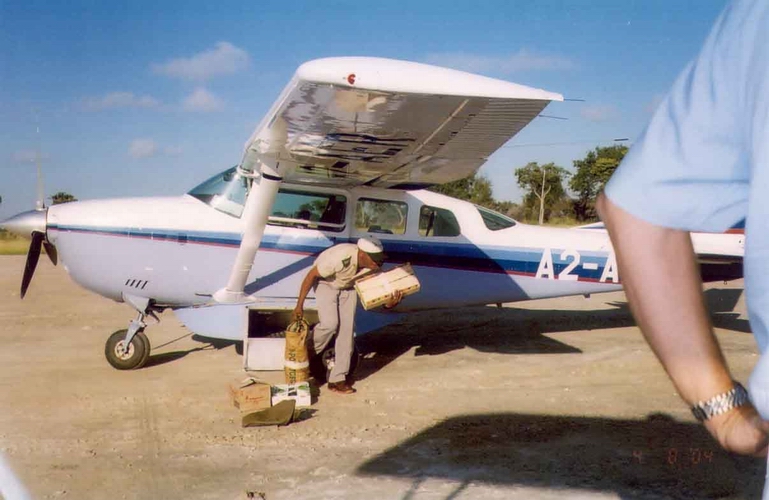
(691, 167)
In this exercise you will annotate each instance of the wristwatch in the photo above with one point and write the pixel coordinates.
(721, 403)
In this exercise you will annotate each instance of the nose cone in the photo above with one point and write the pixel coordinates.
(25, 223)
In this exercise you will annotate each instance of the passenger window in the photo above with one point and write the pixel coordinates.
(309, 210)
(494, 220)
(381, 216)
(434, 221)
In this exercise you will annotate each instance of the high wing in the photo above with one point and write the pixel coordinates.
(352, 121)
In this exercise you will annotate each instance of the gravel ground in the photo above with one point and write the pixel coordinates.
(546, 399)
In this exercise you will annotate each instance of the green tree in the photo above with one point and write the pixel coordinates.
(475, 189)
(62, 197)
(508, 208)
(591, 175)
(543, 185)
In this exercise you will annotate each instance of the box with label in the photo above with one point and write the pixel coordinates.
(377, 290)
(300, 392)
(250, 395)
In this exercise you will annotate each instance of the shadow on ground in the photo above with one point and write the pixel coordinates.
(208, 344)
(511, 330)
(658, 457)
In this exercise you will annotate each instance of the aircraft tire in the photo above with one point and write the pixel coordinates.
(135, 357)
(320, 365)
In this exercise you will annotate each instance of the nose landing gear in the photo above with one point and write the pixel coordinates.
(127, 355)
(130, 349)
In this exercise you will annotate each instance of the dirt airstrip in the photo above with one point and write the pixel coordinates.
(545, 399)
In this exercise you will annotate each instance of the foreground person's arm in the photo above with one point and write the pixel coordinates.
(661, 279)
(307, 283)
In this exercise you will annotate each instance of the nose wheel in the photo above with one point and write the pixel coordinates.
(130, 355)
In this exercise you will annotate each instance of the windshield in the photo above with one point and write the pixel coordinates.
(225, 192)
(493, 220)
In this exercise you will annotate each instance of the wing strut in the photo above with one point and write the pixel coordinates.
(265, 181)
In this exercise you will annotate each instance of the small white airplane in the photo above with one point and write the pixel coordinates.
(343, 153)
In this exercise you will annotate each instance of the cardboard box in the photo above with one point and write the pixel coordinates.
(250, 395)
(299, 392)
(264, 354)
(377, 290)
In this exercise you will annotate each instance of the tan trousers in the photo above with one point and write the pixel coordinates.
(336, 312)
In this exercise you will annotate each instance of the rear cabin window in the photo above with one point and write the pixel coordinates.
(381, 216)
(434, 221)
(495, 221)
(304, 209)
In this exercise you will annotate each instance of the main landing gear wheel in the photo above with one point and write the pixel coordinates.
(129, 357)
(321, 365)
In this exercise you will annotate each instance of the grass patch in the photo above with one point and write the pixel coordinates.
(564, 222)
(13, 246)
(557, 222)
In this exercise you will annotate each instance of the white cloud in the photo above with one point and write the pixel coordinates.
(148, 148)
(599, 113)
(119, 100)
(523, 60)
(223, 59)
(202, 100)
(142, 148)
(28, 155)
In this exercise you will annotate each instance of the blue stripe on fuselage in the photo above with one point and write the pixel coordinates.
(464, 256)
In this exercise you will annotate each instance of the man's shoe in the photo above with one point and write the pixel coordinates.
(340, 387)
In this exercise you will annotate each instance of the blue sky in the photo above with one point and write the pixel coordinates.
(150, 98)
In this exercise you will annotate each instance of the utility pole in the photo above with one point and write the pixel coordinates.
(40, 202)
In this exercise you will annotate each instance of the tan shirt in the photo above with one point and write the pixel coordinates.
(338, 265)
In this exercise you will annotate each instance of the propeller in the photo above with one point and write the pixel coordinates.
(31, 225)
(51, 252)
(33, 256)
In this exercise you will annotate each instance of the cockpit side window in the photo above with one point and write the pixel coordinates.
(434, 221)
(295, 208)
(227, 192)
(381, 216)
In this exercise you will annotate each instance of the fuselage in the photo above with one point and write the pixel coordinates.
(178, 251)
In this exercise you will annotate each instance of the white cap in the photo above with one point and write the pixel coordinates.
(370, 244)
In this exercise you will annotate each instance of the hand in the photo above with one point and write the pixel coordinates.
(298, 313)
(741, 431)
(395, 299)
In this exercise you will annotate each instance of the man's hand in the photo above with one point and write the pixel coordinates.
(395, 299)
(307, 283)
(741, 430)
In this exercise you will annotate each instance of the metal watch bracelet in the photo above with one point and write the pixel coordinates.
(721, 403)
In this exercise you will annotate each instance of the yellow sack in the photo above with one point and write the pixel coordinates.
(297, 365)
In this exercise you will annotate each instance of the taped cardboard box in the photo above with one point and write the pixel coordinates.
(299, 392)
(250, 395)
(377, 290)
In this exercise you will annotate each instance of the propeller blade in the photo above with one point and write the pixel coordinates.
(32, 258)
(50, 250)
